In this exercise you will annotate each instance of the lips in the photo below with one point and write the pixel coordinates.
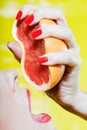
(41, 117)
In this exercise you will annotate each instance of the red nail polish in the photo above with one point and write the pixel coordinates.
(19, 14)
(29, 19)
(36, 33)
(42, 60)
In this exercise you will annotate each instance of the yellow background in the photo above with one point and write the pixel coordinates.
(76, 15)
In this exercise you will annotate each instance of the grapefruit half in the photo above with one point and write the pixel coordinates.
(38, 76)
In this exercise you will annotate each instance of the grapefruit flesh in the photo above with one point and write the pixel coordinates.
(33, 50)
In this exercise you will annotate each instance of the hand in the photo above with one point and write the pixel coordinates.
(67, 91)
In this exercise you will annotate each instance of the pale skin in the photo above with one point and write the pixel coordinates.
(66, 93)
(15, 107)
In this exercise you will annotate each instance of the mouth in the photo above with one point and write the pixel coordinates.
(41, 117)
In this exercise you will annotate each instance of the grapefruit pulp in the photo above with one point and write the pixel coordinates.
(39, 76)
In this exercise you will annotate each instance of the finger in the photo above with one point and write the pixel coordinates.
(57, 31)
(49, 13)
(65, 58)
(25, 10)
(15, 49)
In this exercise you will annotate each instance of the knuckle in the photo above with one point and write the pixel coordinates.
(77, 48)
(62, 16)
(70, 34)
(78, 60)
(74, 57)
(60, 11)
(39, 13)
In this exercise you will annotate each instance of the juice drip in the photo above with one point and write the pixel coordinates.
(45, 102)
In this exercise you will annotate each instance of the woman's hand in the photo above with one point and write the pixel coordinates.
(67, 92)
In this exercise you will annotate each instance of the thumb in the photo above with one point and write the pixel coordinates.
(15, 49)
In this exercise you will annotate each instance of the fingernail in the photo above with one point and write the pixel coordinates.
(29, 19)
(19, 14)
(36, 33)
(42, 60)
